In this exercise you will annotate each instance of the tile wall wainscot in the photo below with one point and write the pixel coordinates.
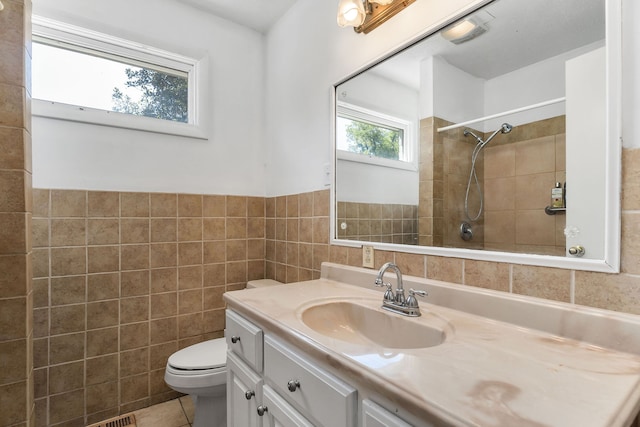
(16, 295)
(121, 281)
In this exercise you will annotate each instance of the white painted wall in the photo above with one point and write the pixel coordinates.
(73, 155)
(457, 95)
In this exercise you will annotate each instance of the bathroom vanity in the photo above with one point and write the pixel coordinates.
(324, 353)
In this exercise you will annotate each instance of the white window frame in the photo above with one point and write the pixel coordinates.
(408, 152)
(60, 34)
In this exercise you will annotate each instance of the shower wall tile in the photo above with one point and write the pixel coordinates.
(122, 281)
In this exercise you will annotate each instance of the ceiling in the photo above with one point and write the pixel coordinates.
(257, 14)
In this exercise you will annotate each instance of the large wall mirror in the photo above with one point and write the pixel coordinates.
(495, 137)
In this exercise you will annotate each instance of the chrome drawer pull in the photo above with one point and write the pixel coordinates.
(249, 394)
(262, 409)
(293, 385)
(235, 339)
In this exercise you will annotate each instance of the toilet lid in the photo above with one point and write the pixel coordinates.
(205, 355)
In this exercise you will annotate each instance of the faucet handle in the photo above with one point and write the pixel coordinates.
(388, 294)
(412, 302)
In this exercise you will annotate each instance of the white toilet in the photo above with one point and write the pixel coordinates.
(201, 371)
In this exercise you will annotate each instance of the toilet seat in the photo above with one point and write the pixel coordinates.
(206, 355)
(199, 369)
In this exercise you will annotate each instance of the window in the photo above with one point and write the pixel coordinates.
(85, 76)
(371, 137)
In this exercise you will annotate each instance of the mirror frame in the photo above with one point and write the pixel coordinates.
(613, 161)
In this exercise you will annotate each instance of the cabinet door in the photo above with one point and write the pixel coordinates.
(244, 394)
(374, 415)
(278, 413)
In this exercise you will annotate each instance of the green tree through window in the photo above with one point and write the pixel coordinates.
(373, 140)
(164, 96)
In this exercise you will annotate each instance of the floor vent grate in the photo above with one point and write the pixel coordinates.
(127, 420)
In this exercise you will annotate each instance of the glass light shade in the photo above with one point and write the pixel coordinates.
(351, 13)
(459, 30)
(382, 2)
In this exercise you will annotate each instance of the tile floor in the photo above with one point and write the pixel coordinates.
(174, 413)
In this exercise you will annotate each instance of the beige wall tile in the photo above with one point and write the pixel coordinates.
(102, 314)
(102, 341)
(14, 277)
(13, 358)
(134, 388)
(41, 203)
(14, 196)
(190, 301)
(134, 335)
(164, 255)
(189, 229)
(536, 156)
(134, 257)
(236, 206)
(163, 205)
(68, 232)
(534, 191)
(68, 290)
(213, 228)
(134, 230)
(189, 205)
(236, 228)
(447, 269)
(103, 204)
(618, 292)
(135, 309)
(542, 282)
(14, 403)
(103, 231)
(214, 252)
(134, 283)
(500, 161)
(164, 305)
(66, 348)
(134, 204)
(67, 377)
(163, 230)
(255, 207)
(190, 277)
(164, 330)
(100, 259)
(103, 286)
(68, 203)
(101, 397)
(630, 244)
(214, 206)
(134, 362)
(15, 234)
(164, 280)
(67, 318)
(13, 315)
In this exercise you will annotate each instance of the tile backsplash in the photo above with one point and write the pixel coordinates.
(122, 280)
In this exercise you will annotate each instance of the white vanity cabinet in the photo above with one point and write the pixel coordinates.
(273, 384)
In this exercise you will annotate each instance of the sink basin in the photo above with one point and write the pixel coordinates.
(368, 325)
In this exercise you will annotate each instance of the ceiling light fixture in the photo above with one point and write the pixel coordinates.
(463, 31)
(366, 15)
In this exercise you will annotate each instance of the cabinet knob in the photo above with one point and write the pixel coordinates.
(262, 409)
(235, 339)
(249, 394)
(293, 385)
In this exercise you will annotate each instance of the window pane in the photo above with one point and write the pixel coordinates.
(85, 80)
(370, 139)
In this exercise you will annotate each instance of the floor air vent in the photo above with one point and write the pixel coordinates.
(127, 420)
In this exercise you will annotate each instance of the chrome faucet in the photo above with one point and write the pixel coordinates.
(397, 302)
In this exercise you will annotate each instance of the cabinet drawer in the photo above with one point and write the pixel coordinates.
(376, 416)
(279, 413)
(244, 339)
(244, 393)
(319, 395)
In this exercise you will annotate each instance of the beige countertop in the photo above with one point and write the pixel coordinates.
(485, 373)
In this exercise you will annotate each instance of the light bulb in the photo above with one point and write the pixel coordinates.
(382, 2)
(350, 13)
